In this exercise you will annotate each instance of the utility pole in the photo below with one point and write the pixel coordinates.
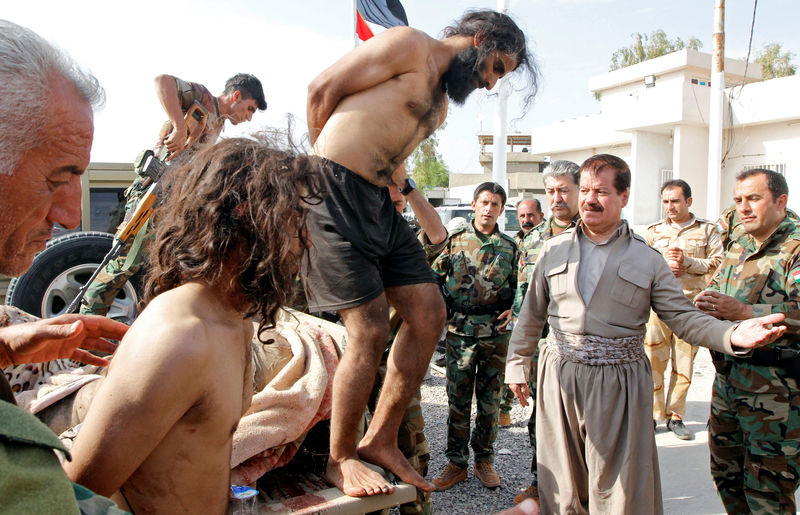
(716, 111)
(500, 122)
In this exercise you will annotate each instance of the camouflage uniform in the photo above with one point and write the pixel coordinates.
(730, 228)
(754, 429)
(480, 273)
(702, 250)
(411, 435)
(112, 278)
(524, 241)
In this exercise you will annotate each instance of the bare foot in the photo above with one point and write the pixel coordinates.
(392, 459)
(356, 479)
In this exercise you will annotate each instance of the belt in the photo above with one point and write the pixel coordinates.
(779, 356)
(595, 350)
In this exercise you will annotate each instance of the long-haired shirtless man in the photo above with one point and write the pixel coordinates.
(228, 244)
(366, 114)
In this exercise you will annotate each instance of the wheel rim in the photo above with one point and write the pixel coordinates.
(64, 287)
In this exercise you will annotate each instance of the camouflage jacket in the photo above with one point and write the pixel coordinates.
(701, 245)
(767, 277)
(188, 92)
(479, 272)
(529, 253)
(730, 228)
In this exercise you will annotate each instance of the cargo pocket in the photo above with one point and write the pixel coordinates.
(772, 467)
(631, 284)
(557, 279)
(696, 248)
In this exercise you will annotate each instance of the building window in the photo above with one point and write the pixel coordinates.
(666, 176)
(108, 208)
(775, 167)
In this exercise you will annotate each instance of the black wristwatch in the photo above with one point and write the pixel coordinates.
(409, 187)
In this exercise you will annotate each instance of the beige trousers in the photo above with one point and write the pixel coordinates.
(596, 449)
(662, 346)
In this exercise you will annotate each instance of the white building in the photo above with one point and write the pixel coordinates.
(655, 114)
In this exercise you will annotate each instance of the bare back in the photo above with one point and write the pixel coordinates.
(162, 423)
(373, 130)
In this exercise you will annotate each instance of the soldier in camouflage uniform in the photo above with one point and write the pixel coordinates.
(561, 180)
(754, 429)
(692, 249)
(730, 227)
(411, 435)
(479, 270)
(529, 213)
(239, 100)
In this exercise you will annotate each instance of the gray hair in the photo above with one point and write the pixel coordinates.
(27, 65)
(563, 168)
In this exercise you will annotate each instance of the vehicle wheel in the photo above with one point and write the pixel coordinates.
(59, 271)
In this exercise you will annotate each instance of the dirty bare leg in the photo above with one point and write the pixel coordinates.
(422, 309)
(367, 331)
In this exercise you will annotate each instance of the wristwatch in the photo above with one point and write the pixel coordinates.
(409, 187)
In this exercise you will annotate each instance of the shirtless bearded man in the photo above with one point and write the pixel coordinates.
(366, 114)
(159, 432)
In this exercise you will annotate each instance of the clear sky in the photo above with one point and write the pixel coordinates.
(287, 43)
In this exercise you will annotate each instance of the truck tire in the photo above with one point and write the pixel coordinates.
(59, 271)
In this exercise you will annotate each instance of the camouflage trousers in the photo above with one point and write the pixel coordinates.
(112, 278)
(410, 440)
(532, 420)
(117, 272)
(473, 365)
(662, 347)
(754, 439)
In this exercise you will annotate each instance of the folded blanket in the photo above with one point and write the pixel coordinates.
(56, 387)
(282, 413)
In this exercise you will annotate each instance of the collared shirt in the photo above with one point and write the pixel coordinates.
(701, 245)
(593, 261)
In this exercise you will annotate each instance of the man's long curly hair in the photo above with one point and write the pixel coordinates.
(231, 216)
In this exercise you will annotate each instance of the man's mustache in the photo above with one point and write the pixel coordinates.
(562, 205)
(594, 207)
(527, 225)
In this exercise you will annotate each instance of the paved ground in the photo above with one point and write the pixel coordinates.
(685, 479)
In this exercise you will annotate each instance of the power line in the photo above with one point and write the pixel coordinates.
(734, 93)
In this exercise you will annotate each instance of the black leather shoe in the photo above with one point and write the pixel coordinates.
(680, 431)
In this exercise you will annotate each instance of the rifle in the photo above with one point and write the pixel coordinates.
(196, 119)
(153, 170)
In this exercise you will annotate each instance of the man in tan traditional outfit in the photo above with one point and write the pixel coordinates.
(595, 285)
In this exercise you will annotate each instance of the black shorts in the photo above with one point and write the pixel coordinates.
(360, 245)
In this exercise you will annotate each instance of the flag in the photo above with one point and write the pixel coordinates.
(386, 13)
(362, 29)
